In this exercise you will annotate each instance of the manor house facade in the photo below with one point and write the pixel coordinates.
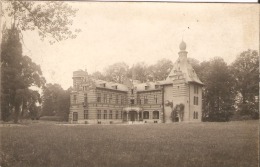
(177, 98)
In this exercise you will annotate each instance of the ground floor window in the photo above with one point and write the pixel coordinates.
(155, 114)
(75, 116)
(146, 115)
(98, 114)
(105, 114)
(117, 115)
(85, 114)
(110, 114)
(195, 115)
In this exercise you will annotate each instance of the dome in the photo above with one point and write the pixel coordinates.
(182, 46)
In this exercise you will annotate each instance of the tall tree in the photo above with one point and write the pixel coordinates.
(52, 20)
(56, 101)
(116, 72)
(18, 74)
(218, 94)
(160, 70)
(245, 70)
(139, 72)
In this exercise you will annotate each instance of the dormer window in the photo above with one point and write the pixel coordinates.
(146, 87)
(157, 86)
(103, 85)
(115, 86)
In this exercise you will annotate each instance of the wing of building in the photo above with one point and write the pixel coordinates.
(178, 98)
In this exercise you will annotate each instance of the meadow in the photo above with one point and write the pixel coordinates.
(230, 144)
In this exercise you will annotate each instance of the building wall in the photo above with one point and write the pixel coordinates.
(195, 108)
(168, 95)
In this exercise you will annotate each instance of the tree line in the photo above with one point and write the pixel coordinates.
(229, 89)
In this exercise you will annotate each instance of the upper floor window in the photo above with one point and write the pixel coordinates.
(146, 87)
(74, 98)
(105, 98)
(99, 97)
(85, 114)
(117, 115)
(132, 101)
(196, 100)
(122, 99)
(110, 98)
(145, 100)
(196, 89)
(155, 99)
(85, 98)
(116, 99)
(110, 114)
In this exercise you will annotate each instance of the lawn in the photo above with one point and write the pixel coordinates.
(231, 144)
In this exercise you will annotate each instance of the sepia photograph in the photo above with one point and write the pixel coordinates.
(129, 84)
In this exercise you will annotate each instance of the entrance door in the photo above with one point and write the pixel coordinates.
(132, 115)
(75, 116)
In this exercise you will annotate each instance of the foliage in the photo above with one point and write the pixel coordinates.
(116, 72)
(245, 70)
(19, 73)
(160, 70)
(218, 94)
(56, 101)
(139, 72)
(50, 19)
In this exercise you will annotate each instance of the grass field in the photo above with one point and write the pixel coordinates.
(232, 144)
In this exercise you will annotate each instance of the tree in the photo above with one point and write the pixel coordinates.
(160, 70)
(139, 72)
(218, 94)
(245, 70)
(18, 74)
(50, 19)
(116, 72)
(56, 101)
(98, 75)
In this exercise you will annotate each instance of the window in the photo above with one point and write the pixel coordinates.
(155, 114)
(155, 99)
(75, 99)
(110, 98)
(85, 114)
(105, 98)
(99, 97)
(117, 115)
(132, 101)
(116, 99)
(75, 116)
(196, 89)
(85, 99)
(105, 114)
(139, 101)
(157, 86)
(145, 100)
(146, 87)
(122, 100)
(110, 114)
(132, 91)
(195, 115)
(196, 100)
(98, 114)
(146, 115)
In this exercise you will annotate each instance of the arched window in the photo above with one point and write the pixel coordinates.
(146, 115)
(155, 114)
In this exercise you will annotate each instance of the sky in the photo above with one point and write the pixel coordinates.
(145, 32)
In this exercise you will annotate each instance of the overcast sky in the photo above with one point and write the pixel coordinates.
(133, 32)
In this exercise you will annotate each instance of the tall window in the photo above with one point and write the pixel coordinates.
(155, 99)
(85, 99)
(195, 115)
(145, 100)
(105, 98)
(117, 115)
(110, 98)
(196, 89)
(132, 91)
(116, 99)
(146, 115)
(122, 99)
(105, 114)
(99, 97)
(110, 114)
(139, 101)
(98, 114)
(196, 100)
(85, 114)
(74, 98)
